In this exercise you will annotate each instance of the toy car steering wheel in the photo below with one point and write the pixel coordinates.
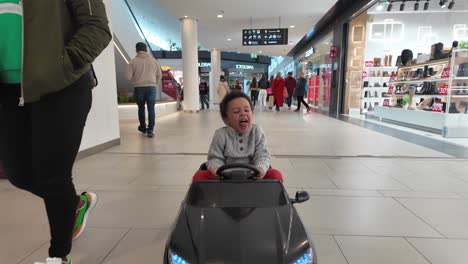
(244, 171)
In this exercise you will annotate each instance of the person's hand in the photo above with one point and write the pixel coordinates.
(214, 176)
(261, 174)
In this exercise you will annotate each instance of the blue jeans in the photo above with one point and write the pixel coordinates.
(146, 96)
(203, 101)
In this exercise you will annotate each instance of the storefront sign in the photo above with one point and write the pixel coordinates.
(244, 67)
(310, 52)
(443, 90)
(333, 52)
(437, 107)
(369, 64)
(446, 73)
(204, 64)
(256, 37)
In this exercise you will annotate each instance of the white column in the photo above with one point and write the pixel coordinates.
(190, 63)
(214, 75)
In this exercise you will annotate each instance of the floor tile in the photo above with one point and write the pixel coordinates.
(335, 192)
(449, 217)
(18, 241)
(365, 181)
(136, 209)
(91, 248)
(327, 250)
(307, 179)
(382, 250)
(442, 251)
(433, 183)
(371, 216)
(139, 246)
(430, 195)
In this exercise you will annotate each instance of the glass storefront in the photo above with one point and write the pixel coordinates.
(318, 68)
(407, 66)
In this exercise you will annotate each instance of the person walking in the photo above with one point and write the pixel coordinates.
(145, 73)
(253, 87)
(45, 97)
(290, 83)
(237, 86)
(263, 86)
(222, 88)
(270, 92)
(278, 88)
(203, 92)
(300, 91)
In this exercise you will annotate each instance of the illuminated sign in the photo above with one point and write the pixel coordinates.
(204, 64)
(244, 67)
(310, 52)
(260, 37)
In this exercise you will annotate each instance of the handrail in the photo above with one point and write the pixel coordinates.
(138, 25)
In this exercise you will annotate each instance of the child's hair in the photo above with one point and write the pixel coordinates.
(228, 98)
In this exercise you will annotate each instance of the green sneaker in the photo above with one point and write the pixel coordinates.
(82, 214)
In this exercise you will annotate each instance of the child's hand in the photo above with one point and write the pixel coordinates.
(213, 173)
(261, 174)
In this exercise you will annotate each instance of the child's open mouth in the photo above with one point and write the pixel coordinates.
(244, 123)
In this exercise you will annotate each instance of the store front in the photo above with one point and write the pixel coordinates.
(318, 68)
(406, 64)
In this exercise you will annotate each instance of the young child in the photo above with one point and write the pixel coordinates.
(240, 141)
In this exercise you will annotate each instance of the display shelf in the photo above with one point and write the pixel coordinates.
(419, 81)
(381, 67)
(460, 96)
(460, 78)
(427, 119)
(427, 63)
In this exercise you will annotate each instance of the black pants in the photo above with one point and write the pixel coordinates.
(254, 97)
(289, 99)
(38, 146)
(300, 99)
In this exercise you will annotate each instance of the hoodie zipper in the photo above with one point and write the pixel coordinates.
(21, 99)
(90, 8)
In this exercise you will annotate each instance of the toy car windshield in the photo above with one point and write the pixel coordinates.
(258, 194)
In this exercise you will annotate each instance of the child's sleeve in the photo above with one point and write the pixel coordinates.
(262, 157)
(216, 157)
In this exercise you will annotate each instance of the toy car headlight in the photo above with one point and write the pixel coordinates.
(307, 258)
(176, 259)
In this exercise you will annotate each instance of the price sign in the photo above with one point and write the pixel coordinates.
(443, 89)
(437, 107)
(369, 64)
(386, 102)
(364, 74)
(446, 73)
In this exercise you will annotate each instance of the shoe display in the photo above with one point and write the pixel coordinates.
(371, 108)
(463, 70)
(88, 201)
(376, 94)
(366, 84)
(55, 261)
(150, 133)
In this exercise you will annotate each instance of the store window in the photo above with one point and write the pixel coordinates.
(408, 66)
(318, 68)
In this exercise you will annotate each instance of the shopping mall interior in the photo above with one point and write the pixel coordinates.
(381, 152)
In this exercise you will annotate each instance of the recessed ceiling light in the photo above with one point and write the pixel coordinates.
(220, 16)
(292, 26)
(260, 52)
(229, 39)
(185, 16)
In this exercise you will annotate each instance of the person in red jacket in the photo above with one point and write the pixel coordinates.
(290, 83)
(278, 87)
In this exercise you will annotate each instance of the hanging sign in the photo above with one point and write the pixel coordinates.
(261, 37)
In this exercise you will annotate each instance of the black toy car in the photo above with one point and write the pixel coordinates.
(239, 220)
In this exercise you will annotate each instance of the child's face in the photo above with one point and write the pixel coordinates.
(239, 115)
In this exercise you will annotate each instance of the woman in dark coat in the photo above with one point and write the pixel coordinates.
(300, 92)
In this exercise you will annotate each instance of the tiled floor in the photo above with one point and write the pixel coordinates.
(375, 199)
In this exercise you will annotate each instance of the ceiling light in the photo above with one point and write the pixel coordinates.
(443, 3)
(390, 6)
(416, 5)
(229, 39)
(292, 26)
(451, 4)
(426, 5)
(220, 16)
(402, 6)
(185, 16)
(260, 52)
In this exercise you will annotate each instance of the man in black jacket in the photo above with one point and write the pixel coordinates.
(203, 90)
